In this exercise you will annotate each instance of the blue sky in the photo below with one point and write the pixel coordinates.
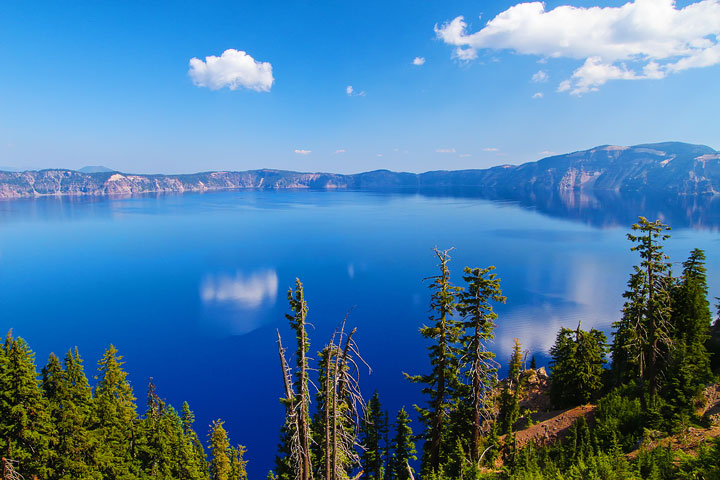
(88, 83)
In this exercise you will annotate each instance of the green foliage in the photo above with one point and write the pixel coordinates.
(619, 420)
(403, 448)
(577, 366)
(220, 468)
(509, 408)
(372, 437)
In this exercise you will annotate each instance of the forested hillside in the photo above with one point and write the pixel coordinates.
(640, 404)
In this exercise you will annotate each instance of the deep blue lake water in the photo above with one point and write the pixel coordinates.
(191, 288)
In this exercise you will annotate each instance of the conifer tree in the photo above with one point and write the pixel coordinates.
(689, 363)
(509, 411)
(443, 382)
(220, 468)
(237, 463)
(193, 450)
(577, 366)
(25, 425)
(403, 449)
(483, 286)
(372, 436)
(642, 336)
(115, 419)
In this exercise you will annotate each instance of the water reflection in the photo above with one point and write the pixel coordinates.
(234, 302)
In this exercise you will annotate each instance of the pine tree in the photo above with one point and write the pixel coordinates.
(403, 449)
(238, 463)
(220, 468)
(483, 286)
(25, 425)
(372, 436)
(642, 336)
(577, 366)
(689, 363)
(443, 382)
(509, 409)
(196, 466)
(115, 419)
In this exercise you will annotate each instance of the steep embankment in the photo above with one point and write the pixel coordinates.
(665, 168)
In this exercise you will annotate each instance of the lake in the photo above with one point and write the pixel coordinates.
(192, 288)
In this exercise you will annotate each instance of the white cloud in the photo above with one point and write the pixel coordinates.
(465, 155)
(642, 39)
(419, 61)
(342, 150)
(445, 150)
(352, 93)
(537, 95)
(540, 76)
(303, 152)
(233, 69)
(242, 291)
(378, 154)
(547, 153)
(491, 149)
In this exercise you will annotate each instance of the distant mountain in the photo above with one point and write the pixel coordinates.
(663, 168)
(95, 169)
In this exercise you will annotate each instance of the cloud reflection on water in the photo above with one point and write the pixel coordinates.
(236, 303)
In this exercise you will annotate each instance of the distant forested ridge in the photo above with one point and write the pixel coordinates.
(661, 168)
(643, 405)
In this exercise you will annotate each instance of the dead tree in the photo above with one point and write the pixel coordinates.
(9, 472)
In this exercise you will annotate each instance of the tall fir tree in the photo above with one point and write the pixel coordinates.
(442, 384)
(26, 428)
(509, 408)
(115, 419)
(689, 360)
(220, 467)
(642, 337)
(372, 437)
(577, 366)
(483, 287)
(238, 470)
(403, 449)
(195, 463)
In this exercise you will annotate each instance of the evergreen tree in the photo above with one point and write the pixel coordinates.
(483, 286)
(220, 468)
(443, 382)
(689, 363)
(115, 419)
(577, 366)
(372, 436)
(238, 463)
(403, 449)
(193, 450)
(25, 426)
(509, 410)
(642, 336)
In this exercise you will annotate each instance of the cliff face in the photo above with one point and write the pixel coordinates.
(666, 168)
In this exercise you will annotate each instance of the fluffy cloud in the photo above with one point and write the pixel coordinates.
(540, 76)
(303, 152)
(643, 39)
(537, 95)
(243, 291)
(352, 93)
(233, 69)
(419, 61)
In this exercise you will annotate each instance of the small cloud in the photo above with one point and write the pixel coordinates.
(465, 155)
(352, 93)
(445, 150)
(547, 153)
(379, 155)
(233, 69)
(537, 95)
(540, 76)
(246, 291)
(419, 61)
(351, 270)
(303, 152)
(491, 149)
(342, 150)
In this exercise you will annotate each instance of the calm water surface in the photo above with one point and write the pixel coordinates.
(192, 288)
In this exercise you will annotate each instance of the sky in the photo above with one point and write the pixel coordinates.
(188, 86)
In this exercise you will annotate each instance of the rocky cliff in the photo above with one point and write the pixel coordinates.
(665, 168)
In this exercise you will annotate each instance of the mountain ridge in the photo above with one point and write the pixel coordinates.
(668, 167)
